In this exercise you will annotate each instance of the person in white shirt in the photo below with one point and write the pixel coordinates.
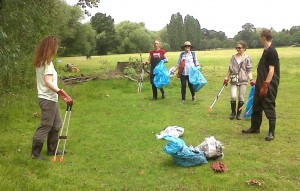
(48, 91)
(186, 60)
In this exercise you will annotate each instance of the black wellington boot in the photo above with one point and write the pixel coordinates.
(238, 115)
(52, 141)
(163, 93)
(36, 151)
(271, 135)
(233, 113)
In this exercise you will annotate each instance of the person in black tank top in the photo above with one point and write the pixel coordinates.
(267, 82)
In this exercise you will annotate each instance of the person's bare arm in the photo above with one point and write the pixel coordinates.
(49, 83)
(149, 60)
(270, 74)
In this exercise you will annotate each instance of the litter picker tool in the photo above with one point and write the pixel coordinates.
(214, 102)
(240, 109)
(65, 136)
(247, 112)
(142, 75)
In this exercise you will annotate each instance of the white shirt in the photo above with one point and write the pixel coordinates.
(43, 91)
(189, 62)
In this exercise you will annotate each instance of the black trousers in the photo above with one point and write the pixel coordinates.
(154, 89)
(266, 104)
(183, 80)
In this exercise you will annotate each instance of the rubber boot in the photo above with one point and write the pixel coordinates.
(36, 151)
(233, 113)
(163, 93)
(271, 135)
(251, 131)
(238, 111)
(52, 141)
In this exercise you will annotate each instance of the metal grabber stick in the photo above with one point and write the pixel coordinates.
(240, 109)
(142, 76)
(214, 102)
(64, 137)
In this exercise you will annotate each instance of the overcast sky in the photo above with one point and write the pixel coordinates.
(221, 15)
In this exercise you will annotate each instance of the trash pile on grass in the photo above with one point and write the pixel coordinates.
(188, 156)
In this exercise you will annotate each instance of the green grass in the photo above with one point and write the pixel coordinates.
(112, 144)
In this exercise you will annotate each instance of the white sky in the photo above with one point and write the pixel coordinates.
(221, 15)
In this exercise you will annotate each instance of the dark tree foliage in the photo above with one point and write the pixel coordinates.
(84, 4)
(176, 32)
(106, 35)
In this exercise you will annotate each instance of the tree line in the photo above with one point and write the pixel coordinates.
(24, 23)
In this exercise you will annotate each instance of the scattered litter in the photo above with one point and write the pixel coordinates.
(174, 131)
(212, 148)
(219, 167)
(254, 182)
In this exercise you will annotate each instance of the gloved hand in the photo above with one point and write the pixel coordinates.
(264, 89)
(252, 82)
(65, 97)
(225, 82)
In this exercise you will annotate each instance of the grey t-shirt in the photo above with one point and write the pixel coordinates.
(45, 92)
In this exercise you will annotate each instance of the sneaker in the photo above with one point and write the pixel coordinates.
(163, 95)
(183, 101)
(154, 98)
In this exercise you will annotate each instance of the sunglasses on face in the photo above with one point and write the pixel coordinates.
(238, 48)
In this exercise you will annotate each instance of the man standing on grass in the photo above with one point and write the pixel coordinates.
(155, 57)
(267, 82)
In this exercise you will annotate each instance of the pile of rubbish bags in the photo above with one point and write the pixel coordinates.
(209, 149)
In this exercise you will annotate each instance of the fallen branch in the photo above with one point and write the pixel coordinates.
(131, 78)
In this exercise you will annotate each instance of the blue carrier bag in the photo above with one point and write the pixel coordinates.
(162, 76)
(182, 154)
(249, 110)
(196, 78)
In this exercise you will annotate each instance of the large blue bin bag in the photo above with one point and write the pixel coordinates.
(162, 76)
(175, 145)
(196, 78)
(249, 110)
(182, 154)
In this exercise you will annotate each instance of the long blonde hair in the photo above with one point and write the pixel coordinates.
(45, 51)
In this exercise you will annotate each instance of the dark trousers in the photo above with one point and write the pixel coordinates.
(51, 121)
(262, 104)
(183, 80)
(154, 89)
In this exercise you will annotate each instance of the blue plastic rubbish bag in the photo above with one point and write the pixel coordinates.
(249, 110)
(182, 154)
(196, 78)
(162, 76)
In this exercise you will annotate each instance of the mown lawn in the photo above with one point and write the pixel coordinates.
(112, 144)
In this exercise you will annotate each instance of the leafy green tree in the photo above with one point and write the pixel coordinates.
(192, 30)
(296, 38)
(133, 37)
(84, 4)
(106, 39)
(176, 32)
(20, 30)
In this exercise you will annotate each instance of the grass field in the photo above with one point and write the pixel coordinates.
(112, 144)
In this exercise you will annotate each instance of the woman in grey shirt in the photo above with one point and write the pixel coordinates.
(239, 72)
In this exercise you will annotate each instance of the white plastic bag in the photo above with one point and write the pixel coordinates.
(174, 131)
(212, 148)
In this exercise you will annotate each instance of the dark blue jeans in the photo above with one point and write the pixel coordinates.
(183, 80)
